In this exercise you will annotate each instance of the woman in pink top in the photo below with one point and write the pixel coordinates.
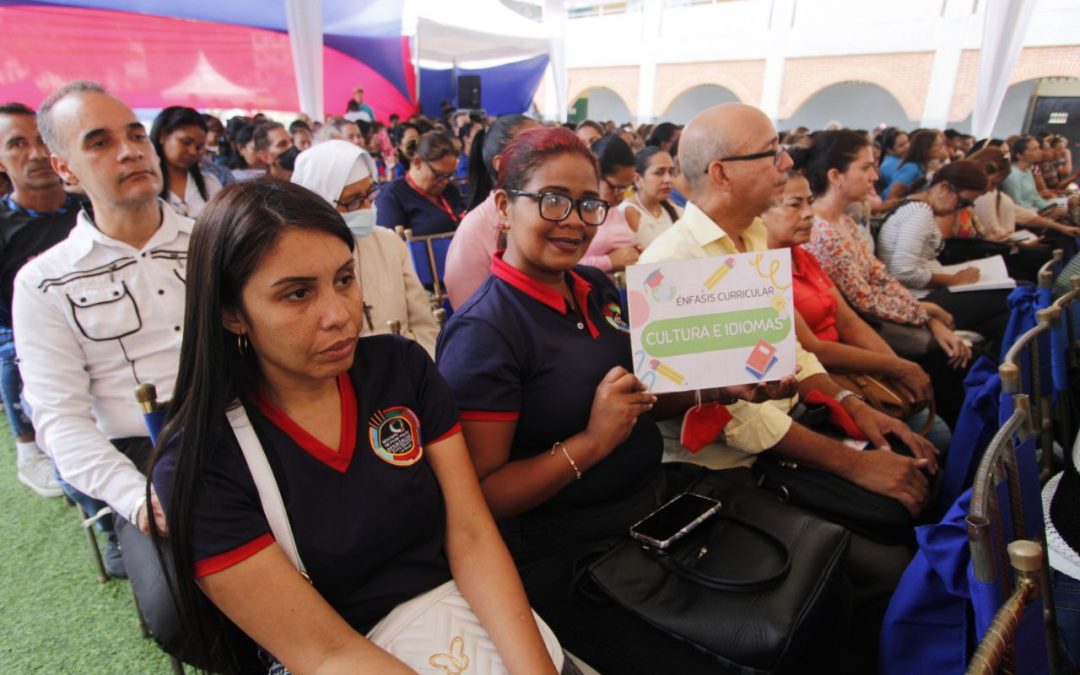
(477, 236)
(615, 246)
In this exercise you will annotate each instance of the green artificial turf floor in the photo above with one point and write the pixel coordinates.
(54, 615)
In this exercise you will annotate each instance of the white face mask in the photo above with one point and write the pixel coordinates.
(361, 223)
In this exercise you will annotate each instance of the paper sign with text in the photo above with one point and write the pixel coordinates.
(712, 322)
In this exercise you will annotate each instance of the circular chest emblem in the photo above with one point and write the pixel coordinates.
(613, 315)
(395, 436)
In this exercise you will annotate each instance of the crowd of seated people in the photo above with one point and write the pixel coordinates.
(533, 441)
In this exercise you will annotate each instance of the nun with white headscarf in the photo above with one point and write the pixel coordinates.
(340, 173)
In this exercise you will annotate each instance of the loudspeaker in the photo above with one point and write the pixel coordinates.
(468, 91)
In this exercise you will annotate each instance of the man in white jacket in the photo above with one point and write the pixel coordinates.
(100, 313)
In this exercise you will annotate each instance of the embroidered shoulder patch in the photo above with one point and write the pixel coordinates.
(395, 436)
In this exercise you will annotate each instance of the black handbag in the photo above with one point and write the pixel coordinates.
(753, 587)
(838, 500)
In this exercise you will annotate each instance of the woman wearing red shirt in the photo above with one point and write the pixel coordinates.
(825, 323)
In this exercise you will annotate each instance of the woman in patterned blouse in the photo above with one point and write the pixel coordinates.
(841, 172)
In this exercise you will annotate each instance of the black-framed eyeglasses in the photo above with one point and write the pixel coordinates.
(556, 207)
(777, 157)
(438, 176)
(356, 201)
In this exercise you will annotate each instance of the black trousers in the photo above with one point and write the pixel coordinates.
(985, 312)
(144, 567)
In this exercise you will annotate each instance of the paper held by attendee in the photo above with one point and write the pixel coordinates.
(992, 275)
(712, 322)
(1021, 236)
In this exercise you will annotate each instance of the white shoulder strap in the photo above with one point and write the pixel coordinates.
(269, 493)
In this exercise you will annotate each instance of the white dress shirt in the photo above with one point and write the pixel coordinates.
(94, 318)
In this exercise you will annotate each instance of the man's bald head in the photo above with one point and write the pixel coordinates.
(721, 131)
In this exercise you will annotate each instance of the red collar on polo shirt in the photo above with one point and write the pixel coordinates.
(543, 293)
(336, 459)
(443, 204)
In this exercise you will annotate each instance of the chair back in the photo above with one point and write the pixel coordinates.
(1065, 361)
(995, 649)
(1030, 358)
(1006, 506)
(154, 411)
(429, 260)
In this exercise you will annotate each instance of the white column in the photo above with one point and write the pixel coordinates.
(950, 31)
(652, 15)
(1003, 37)
(781, 14)
(305, 23)
(555, 22)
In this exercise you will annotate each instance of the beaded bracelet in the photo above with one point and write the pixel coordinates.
(566, 453)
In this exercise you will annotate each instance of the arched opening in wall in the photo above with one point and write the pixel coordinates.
(694, 100)
(601, 104)
(1019, 100)
(855, 105)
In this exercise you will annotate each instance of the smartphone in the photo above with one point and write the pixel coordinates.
(672, 521)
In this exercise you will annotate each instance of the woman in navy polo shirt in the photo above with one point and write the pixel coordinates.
(363, 440)
(424, 200)
(560, 430)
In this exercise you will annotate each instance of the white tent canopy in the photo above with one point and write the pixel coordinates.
(472, 34)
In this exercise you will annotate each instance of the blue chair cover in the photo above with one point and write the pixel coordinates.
(154, 422)
(1059, 346)
(975, 427)
(1024, 302)
(926, 628)
(418, 250)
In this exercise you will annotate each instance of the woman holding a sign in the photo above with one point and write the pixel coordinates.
(561, 432)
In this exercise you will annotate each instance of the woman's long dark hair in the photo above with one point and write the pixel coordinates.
(169, 120)
(486, 144)
(238, 228)
(613, 153)
(641, 165)
(661, 133)
(830, 150)
(919, 146)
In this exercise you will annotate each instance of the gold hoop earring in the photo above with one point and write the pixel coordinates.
(242, 343)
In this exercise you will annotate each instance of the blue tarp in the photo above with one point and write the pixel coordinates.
(504, 89)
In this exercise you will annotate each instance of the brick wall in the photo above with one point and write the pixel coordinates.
(906, 76)
(1034, 63)
(742, 78)
(623, 80)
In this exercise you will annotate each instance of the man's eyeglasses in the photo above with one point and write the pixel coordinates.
(438, 176)
(356, 201)
(777, 157)
(556, 207)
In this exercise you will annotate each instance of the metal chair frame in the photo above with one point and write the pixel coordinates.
(1067, 306)
(987, 540)
(1013, 381)
(431, 268)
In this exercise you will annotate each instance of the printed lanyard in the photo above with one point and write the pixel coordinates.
(443, 204)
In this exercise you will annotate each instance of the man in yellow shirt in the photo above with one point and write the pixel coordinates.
(736, 169)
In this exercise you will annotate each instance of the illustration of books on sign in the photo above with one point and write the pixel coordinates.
(712, 322)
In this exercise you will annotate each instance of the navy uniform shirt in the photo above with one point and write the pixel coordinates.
(368, 517)
(25, 234)
(399, 203)
(514, 351)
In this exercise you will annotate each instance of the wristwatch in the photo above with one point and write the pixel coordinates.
(844, 394)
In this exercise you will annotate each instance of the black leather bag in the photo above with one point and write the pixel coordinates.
(752, 587)
(876, 517)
